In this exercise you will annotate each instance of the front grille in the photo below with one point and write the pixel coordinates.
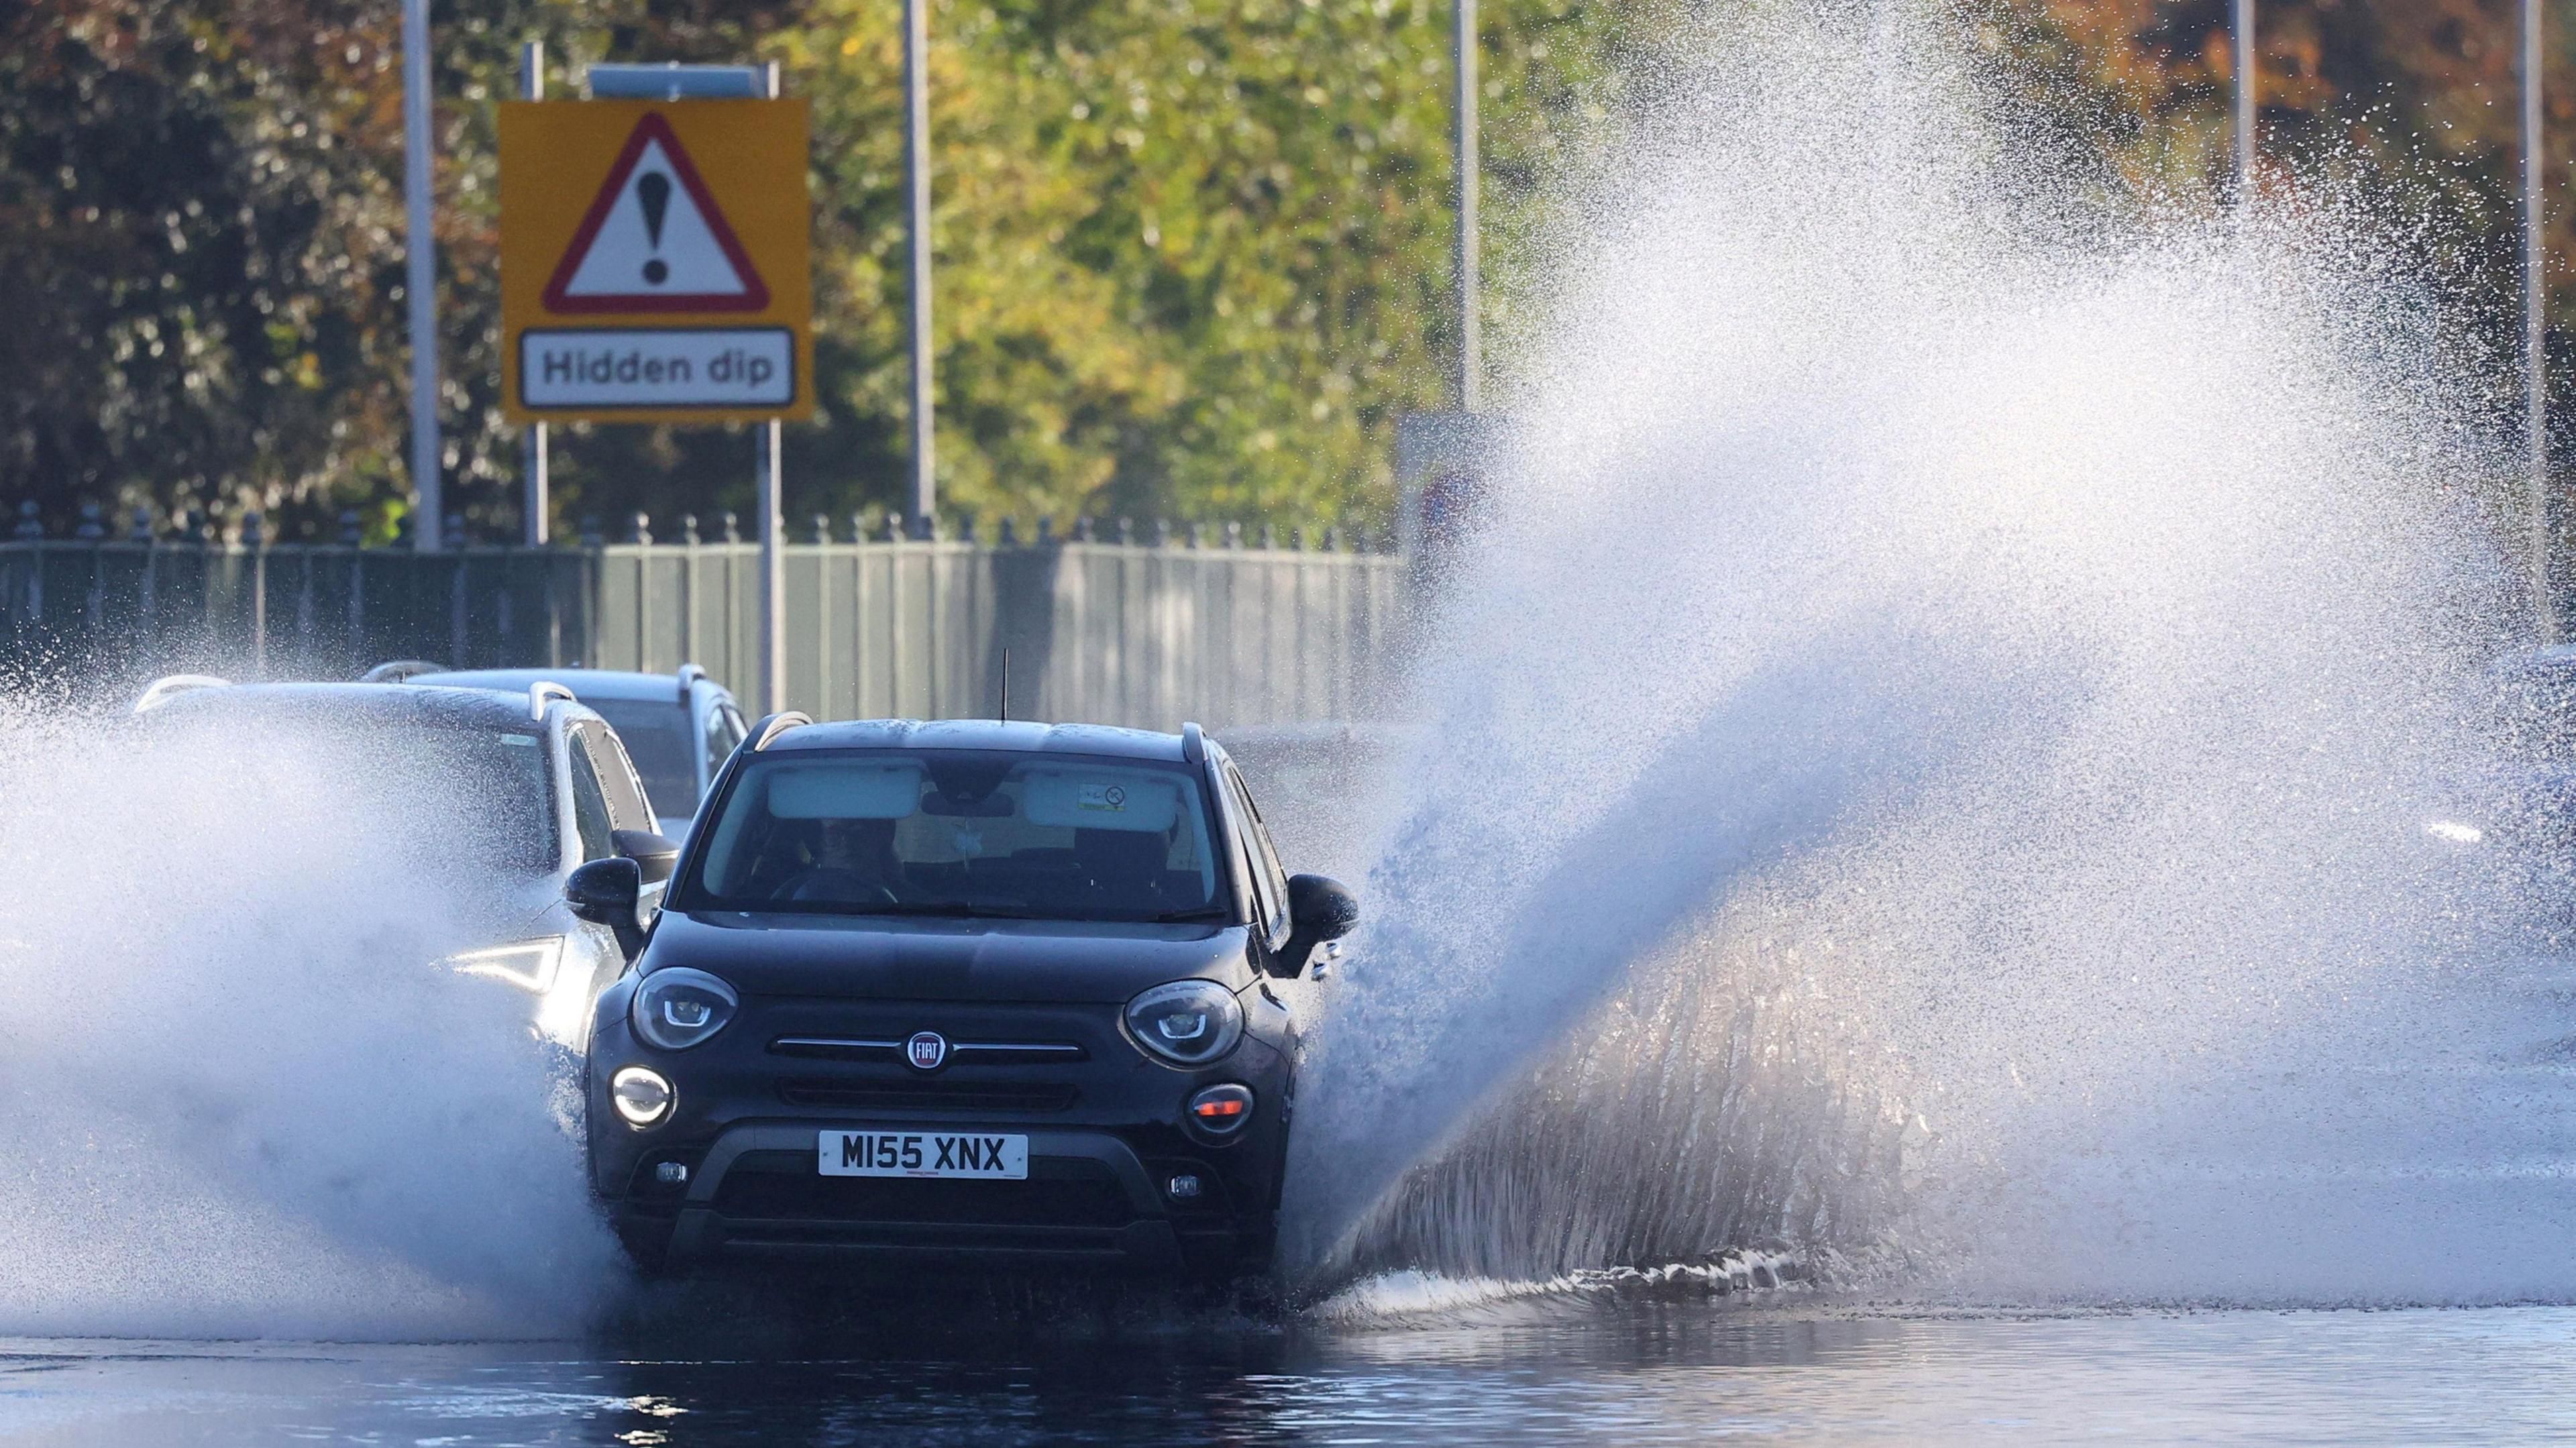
(978, 1053)
(825, 1048)
(950, 1095)
(1059, 1192)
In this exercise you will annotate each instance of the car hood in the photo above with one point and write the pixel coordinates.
(881, 958)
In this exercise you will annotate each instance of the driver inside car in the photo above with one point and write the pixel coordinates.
(854, 864)
(1122, 868)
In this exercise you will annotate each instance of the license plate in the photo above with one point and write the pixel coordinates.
(981, 1155)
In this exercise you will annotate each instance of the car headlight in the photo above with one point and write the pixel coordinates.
(678, 1008)
(1186, 1023)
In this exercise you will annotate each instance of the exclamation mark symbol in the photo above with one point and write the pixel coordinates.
(653, 189)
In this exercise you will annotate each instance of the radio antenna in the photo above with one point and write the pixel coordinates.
(1006, 684)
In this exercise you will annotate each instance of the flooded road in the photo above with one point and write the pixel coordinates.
(1633, 1373)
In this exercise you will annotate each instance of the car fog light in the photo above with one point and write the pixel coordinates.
(672, 1173)
(641, 1095)
(1182, 1187)
(1222, 1109)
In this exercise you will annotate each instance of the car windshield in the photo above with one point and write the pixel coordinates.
(466, 789)
(663, 741)
(961, 832)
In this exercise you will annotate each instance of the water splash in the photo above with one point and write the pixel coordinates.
(244, 1101)
(1709, 1106)
(1956, 673)
(1406, 1298)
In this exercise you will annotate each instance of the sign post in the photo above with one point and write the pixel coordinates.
(916, 186)
(773, 530)
(655, 268)
(536, 506)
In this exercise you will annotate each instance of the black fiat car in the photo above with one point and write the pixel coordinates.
(962, 992)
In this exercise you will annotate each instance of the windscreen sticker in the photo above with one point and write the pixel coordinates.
(526, 739)
(1144, 801)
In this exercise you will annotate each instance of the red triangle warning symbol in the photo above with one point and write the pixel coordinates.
(653, 240)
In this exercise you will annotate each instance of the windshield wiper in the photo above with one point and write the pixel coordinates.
(969, 910)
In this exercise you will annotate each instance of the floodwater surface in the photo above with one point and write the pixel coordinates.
(1629, 1373)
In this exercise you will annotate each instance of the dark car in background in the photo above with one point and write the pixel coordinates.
(678, 728)
(1000, 993)
(2504, 824)
(2516, 795)
(529, 786)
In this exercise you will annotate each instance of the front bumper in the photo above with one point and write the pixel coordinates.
(1105, 1139)
(1091, 1201)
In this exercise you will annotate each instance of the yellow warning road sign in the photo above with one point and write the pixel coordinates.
(654, 263)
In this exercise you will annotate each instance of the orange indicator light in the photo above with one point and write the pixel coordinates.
(1222, 1110)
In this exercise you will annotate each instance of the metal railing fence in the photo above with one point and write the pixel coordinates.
(1102, 632)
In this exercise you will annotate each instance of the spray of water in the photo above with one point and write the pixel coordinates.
(1933, 738)
(242, 1098)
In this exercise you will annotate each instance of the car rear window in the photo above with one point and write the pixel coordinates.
(961, 832)
(504, 803)
(663, 741)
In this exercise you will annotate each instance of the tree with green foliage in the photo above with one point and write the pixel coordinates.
(1191, 258)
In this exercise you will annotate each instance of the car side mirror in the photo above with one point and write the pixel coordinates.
(653, 854)
(1319, 909)
(604, 892)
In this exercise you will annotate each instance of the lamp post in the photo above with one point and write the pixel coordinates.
(2535, 320)
(1465, 261)
(2247, 83)
(420, 282)
(916, 175)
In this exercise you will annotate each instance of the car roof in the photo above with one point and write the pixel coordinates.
(981, 734)
(585, 683)
(377, 703)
